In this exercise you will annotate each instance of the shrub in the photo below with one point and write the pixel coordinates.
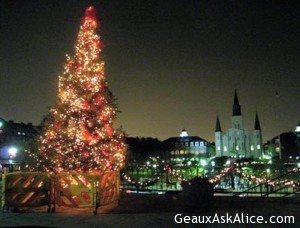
(197, 192)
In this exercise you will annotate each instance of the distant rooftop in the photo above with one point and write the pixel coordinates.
(183, 133)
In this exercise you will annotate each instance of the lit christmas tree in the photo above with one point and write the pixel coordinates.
(79, 133)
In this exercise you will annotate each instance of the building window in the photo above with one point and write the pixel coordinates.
(186, 143)
(258, 147)
(219, 148)
(252, 147)
(225, 148)
(192, 144)
(201, 143)
(196, 143)
(237, 147)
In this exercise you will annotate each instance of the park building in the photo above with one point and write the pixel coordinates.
(286, 145)
(237, 141)
(185, 147)
(15, 138)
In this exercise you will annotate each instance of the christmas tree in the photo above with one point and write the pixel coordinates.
(79, 133)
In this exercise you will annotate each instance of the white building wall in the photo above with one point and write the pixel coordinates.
(219, 144)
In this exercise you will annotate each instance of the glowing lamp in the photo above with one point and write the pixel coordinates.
(203, 162)
(12, 151)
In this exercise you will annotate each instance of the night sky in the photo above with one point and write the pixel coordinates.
(172, 64)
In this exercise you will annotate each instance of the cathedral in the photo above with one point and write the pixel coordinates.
(237, 141)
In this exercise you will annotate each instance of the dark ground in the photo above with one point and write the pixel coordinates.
(152, 211)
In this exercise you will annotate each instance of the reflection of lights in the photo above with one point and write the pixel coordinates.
(213, 163)
(12, 151)
(228, 162)
(1, 124)
(298, 165)
(268, 170)
(189, 162)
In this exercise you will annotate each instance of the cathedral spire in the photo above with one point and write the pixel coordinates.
(218, 125)
(257, 124)
(236, 108)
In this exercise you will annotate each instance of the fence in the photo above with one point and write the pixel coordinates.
(75, 190)
(25, 190)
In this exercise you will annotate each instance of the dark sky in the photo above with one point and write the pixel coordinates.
(170, 63)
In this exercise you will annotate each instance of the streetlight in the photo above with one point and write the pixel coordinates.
(228, 162)
(213, 163)
(203, 162)
(270, 162)
(267, 184)
(12, 151)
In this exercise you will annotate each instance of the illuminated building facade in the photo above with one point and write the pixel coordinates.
(237, 141)
(186, 146)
